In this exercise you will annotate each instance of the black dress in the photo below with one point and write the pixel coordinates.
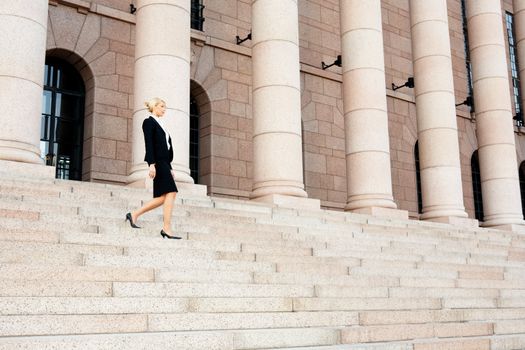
(157, 153)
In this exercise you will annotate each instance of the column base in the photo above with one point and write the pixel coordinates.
(520, 229)
(503, 220)
(20, 152)
(383, 212)
(289, 201)
(456, 221)
(21, 169)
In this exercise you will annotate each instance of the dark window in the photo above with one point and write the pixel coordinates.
(476, 186)
(62, 123)
(468, 64)
(522, 187)
(514, 68)
(197, 17)
(418, 180)
(194, 140)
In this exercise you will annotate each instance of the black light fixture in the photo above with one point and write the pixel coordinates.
(518, 118)
(409, 84)
(240, 41)
(337, 63)
(468, 102)
(132, 8)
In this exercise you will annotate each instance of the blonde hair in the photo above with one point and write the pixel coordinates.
(155, 101)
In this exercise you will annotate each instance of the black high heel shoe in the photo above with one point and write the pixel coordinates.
(165, 235)
(128, 217)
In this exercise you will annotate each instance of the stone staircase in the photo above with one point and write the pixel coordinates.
(74, 275)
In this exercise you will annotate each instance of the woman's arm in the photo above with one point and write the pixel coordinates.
(147, 128)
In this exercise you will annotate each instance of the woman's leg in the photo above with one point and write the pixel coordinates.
(152, 204)
(169, 198)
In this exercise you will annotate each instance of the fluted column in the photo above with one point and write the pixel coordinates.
(436, 111)
(365, 110)
(495, 130)
(23, 25)
(277, 141)
(162, 69)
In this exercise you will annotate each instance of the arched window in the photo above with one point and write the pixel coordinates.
(476, 186)
(522, 186)
(194, 139)
(62, 123)
(418, 180)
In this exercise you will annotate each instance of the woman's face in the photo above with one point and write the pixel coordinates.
(159, 109)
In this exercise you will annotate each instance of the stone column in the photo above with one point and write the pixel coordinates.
(436, 111)
(277, 141)
(23, 25)
(369, 176)
(162, 69)
(495, 130)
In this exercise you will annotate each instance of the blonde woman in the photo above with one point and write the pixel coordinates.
(159, 154)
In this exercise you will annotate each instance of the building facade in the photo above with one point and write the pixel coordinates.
(396, 105)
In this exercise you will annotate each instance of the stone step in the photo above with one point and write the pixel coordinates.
(404, 317)
(75, 273)
(198, 275)
(442, 293)
(203, 290)
(16, 224)
(402, 272)
(58, 248)
(22, 306)
(472, 343)
(193, 340)
(323, 279)
(29, 235)
(267, 320)
(183, 262)
(383, 333)
(40, 257)
(71, 324)
(20, 288)
(360, 304)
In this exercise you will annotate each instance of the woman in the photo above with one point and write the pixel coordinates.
(159, 154)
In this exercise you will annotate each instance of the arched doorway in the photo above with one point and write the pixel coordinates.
(476, 186)
(418, 180)
(62, 122)
(522, 186)
(194, 139)
(200, 135)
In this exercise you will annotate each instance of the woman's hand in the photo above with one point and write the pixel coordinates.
(152, 171)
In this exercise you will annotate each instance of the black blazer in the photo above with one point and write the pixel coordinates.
(155, 141)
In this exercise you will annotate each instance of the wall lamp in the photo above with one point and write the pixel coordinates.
(409, 84)
(518, 118)
(132, 9)
(468, 102)
(240, 41)
(337, 63)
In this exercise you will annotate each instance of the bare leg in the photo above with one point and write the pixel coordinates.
(168, 208)
(152, 204)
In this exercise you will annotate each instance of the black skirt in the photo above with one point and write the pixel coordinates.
(163, 181)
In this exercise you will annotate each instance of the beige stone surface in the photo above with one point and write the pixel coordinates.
(21, 74)
(501, 195)
(278, 168)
